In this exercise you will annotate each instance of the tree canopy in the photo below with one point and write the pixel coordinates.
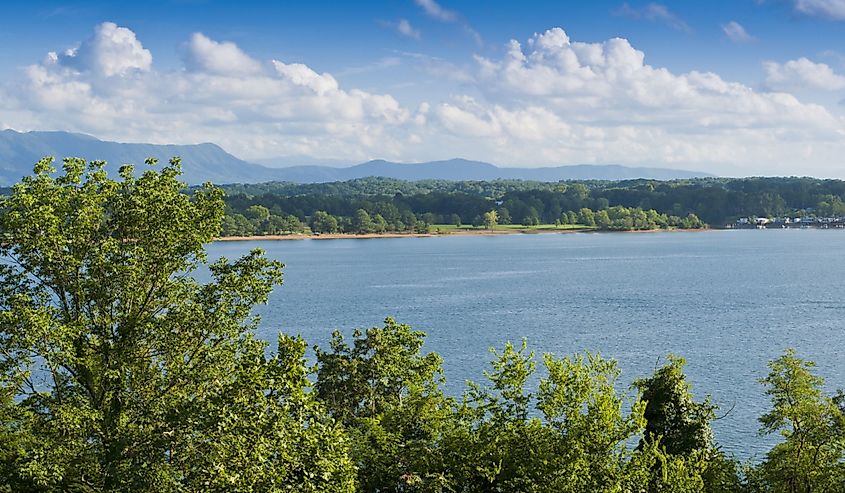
(120, 372)
(609, 205)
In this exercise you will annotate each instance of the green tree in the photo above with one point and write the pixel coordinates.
(810, 457)
(672, 416)
(495, 446)
(409, 220)
(237, 225)
(580, 402)
(257, 213)
(120, 372)
(586, 217)
(678, 428)
(323, 222)
(379, 224)
(455, 219)
(387, 393)
(570, 436)
(428, 218)
(491, 218)
(504, 215)
(362, 223)
(276, 224)
(422, 227)
(532, 217)
(564, 218)
(602, 219)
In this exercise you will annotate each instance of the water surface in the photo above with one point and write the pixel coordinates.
(728, 301)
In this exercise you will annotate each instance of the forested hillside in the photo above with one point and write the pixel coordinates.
(396, 205)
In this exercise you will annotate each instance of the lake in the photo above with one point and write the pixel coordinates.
(728, 301)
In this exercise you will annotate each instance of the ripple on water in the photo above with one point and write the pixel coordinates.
(727, 301)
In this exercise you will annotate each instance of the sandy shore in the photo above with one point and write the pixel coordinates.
(337, 236)
(471, 232)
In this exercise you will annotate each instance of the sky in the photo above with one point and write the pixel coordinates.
(730, 87)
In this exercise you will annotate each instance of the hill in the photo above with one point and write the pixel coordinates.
(201, 162)
(208, 162)
(462, 170)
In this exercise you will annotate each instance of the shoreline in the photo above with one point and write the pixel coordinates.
(368, 236)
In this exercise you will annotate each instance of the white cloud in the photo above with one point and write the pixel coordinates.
(404, 27)
(736, 33)
(549, 101)
(302, 75)
(473, 35)
(831, 9)
(611, 79)
(112, 51)
(206, 55)
(225, 96)
(566, 101)
(802, 74)
(654, 12)
(433, 9)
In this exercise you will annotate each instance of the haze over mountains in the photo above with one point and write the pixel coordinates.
(208, 162)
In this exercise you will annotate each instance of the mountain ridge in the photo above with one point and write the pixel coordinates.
(209, 162)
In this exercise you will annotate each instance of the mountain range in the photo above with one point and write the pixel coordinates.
(19, 151)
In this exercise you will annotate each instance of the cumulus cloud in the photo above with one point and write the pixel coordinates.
(602, 102)
(654, 12)
(109, 88)
(551, 100)
(611, 79)
(206, 55)
(736, 33)
(111, 51)
(803, 73)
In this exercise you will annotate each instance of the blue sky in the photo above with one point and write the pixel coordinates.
(732, 87)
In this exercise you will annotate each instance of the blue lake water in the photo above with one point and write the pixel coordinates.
(728, 301)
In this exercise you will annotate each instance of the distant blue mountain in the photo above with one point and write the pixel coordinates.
(201, 162)
(208, 162)
(462, 169)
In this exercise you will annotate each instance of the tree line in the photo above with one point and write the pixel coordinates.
(396, 205)
(420, 213)
(120, 372)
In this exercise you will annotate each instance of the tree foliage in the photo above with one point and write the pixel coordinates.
(387, 393)
(811, 456)
(120, 372)
(616, 205)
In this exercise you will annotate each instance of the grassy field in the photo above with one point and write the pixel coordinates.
(448, 228)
